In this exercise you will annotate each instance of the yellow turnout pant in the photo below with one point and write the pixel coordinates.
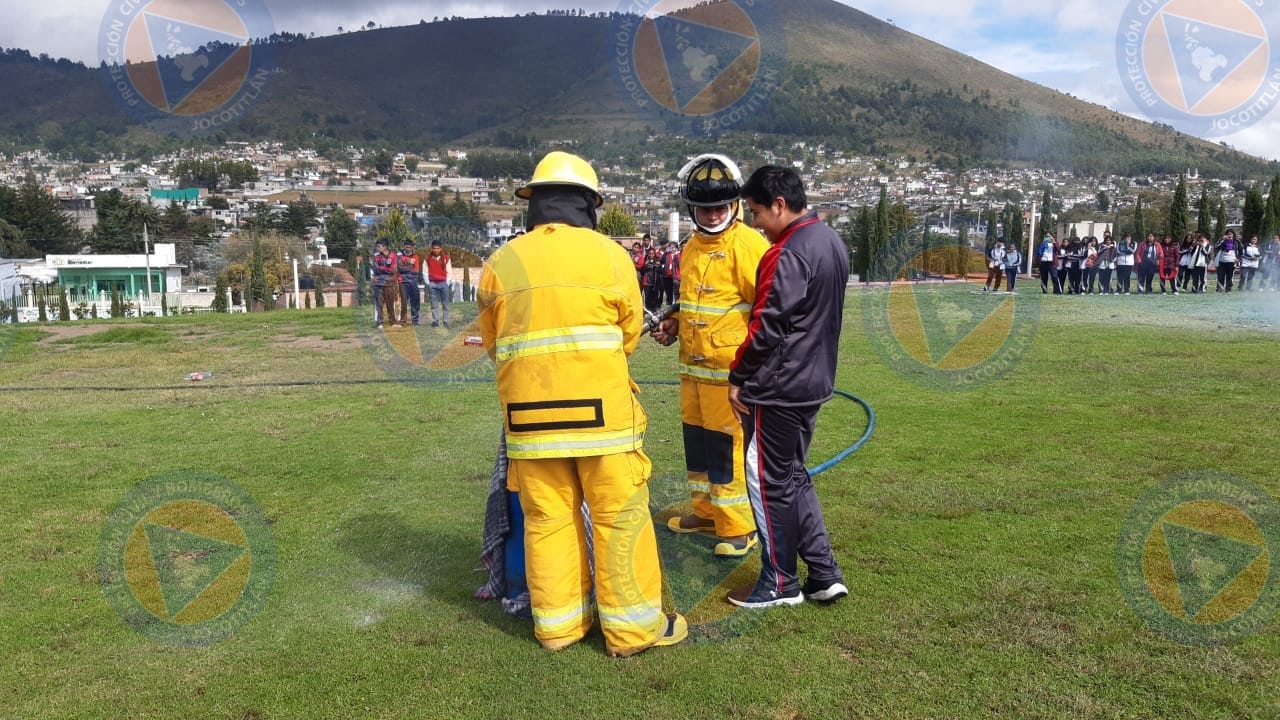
(714, 457)
(628, 580)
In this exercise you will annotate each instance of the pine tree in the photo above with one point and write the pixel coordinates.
(877, 265)
(1179, 211)
(1139, 225)
(93, 310)
(862, 243)
(1271, 213)
(220, 294)
(319, 296)
(1255, 210)
(1046, 216)
(1220, 221)
(258, 278)
(1204, 214)
(1013, 227)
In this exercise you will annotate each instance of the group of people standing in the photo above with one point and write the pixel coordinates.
(395, 280)
(758, 325)
(657, 271)
(1086, 266)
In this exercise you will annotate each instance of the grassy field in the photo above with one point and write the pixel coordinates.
(977, 530)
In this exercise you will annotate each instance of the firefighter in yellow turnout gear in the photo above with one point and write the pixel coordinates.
(560, 312)
(717, 287)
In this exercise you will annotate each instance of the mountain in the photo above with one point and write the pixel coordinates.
(848, 79)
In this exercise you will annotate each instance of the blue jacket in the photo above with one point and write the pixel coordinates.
(793, 338)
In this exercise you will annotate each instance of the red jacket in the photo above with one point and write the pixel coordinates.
(1141, 257)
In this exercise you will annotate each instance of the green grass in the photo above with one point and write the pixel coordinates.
(977, 531)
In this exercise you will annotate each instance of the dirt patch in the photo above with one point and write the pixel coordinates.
(315, 342)
(54, 332)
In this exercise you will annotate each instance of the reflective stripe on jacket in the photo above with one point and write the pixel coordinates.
(560, 311)
(717, 288)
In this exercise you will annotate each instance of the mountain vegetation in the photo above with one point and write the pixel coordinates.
(510, 85)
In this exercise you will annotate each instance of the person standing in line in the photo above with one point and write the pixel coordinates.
(1106, 264)
(560, 313)
(1125, 251)
(385, 287)
(1198, 263)
(1184, 263)
(1225, 255)
(1169, 265)
(784, 371)
(995, 267)
(651, 280)
(1270, 263)
(1046, 252)
(1074, 259)
(1150, 256)
(409, 267)
(438, 269)
(1012, 263)
(1250, 257)
(670, 256)
(1090, 264)
(721, 259)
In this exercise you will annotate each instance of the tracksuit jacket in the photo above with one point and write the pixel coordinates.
(789, 357)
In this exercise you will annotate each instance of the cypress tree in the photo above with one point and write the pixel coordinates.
(220, 295)
(1271, 214)
(1179, 211)
(64, 308)
(257, 277)
(880, 238)
(1204, 214)
(44, 314)
(1046, 216)
(1255, 210)
(1220, 221)
(1139, 225)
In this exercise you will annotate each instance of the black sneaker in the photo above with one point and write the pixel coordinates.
(754, 600)
(824, 592)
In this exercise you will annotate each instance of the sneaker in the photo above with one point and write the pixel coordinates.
(377, 326)
(683, 524)
(748, 598)
(736, 547)
(824, 593)
(677, 630)
(435, 324)
(446, 324)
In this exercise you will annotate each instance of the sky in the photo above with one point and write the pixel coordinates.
(1068, 45)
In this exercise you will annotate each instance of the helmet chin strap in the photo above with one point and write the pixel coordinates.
(716, 230)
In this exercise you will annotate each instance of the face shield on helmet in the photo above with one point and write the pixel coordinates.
(711, 181)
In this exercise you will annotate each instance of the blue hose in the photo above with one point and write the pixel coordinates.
(845, 453)
(840, 456)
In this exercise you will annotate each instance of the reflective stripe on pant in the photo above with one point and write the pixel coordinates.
(628, 577)
(783, 498)
(713, 457)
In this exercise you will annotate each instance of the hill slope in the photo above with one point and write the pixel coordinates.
(849, 80)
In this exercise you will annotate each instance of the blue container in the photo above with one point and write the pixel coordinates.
(513, 550)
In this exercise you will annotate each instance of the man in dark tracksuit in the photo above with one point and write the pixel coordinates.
(784, 372)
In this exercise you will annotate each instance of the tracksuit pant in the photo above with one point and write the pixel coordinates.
(628, 581)
(1047, 273)
(1011, 277)
(384, 303)
(1146, 274)
(1123, 275)
(784, 500)
(994, 275)
(410, 302)
(1226, 275)
(713, 458)
(1104, 281)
